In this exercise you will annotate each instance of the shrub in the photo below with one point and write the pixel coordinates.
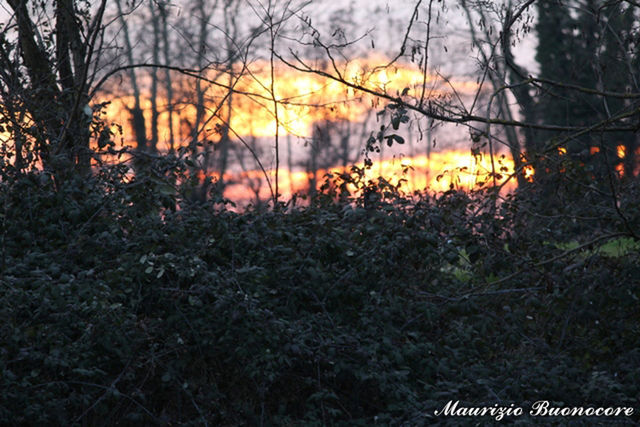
(342, 312)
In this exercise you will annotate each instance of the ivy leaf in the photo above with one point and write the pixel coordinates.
(395, 122)
(398, 138)
(389, 140)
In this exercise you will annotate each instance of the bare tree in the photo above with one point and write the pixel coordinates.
(138, 123)
(163, 6)
(46, 108)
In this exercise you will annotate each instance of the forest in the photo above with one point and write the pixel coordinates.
(310, 212)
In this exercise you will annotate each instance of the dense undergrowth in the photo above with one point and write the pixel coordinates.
(115, 309)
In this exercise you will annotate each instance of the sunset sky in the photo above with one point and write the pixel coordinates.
(306, 101)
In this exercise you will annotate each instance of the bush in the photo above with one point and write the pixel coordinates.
(349, 311)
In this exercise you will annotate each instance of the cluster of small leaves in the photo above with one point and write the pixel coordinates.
(397, 115)
(363, 307)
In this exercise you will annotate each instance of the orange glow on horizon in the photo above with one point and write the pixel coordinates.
(441, 171)
(303, 99)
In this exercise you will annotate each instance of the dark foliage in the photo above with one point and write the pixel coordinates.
(374, 308)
